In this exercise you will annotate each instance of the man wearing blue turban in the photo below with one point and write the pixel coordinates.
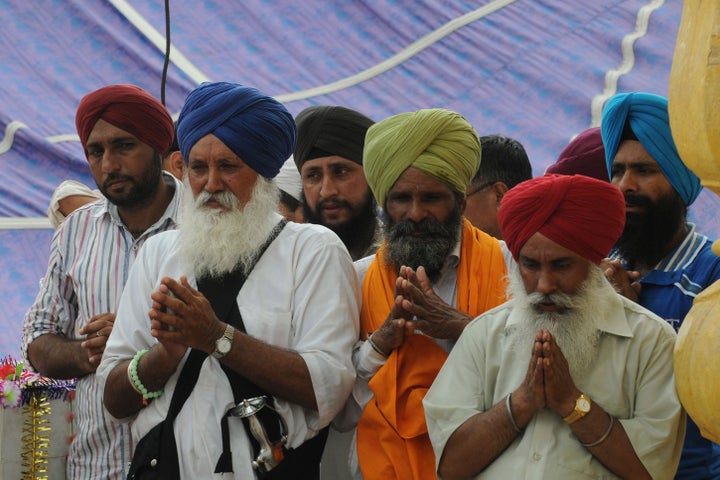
(267, 309)
(662, 262)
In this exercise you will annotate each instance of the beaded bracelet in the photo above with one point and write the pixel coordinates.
(510, 415)
(604, 437)
(135, 379)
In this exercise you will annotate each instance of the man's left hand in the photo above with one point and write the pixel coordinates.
(182, 315)
(431, 314)
(560, 389)
(97, 331)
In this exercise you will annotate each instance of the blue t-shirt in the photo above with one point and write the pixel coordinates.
(669, 291)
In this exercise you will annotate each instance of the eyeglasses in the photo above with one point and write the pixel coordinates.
(480, 188)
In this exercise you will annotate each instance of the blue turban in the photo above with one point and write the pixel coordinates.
(255, 126)
(648, 117)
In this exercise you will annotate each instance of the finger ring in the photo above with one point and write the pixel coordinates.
(97, 334)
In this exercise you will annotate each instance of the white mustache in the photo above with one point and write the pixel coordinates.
(559, 299)
(226, 199)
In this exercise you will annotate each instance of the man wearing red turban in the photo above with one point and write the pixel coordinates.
(124, 131)
(568, 379)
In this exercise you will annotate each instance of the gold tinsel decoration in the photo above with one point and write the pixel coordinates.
(36, 437)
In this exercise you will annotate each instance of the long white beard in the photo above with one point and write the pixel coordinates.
(574, 329)
(217, 241)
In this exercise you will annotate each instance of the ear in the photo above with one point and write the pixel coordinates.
(500, 189)
(175, 164)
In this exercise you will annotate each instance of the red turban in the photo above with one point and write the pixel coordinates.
(130, 108)
(580, 213)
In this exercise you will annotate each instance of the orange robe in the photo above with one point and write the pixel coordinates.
(392, 438)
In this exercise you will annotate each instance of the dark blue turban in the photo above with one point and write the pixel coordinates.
(255, 126)
(647, 115)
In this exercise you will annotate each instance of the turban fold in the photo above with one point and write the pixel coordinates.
(129, 108)
(580, 213)
(438, 142)
(255, 126)
(647, 116)
(324, 131)
(584, 155)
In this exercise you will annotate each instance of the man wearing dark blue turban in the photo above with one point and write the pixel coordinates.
(280, 340)
(663, 263)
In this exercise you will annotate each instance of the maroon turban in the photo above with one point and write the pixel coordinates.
(580, 213)
(584, 155)
(129, 108)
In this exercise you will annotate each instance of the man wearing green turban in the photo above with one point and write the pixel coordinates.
(439, 143)
(432, 275)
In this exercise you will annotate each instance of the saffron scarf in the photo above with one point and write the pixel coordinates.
(392, 438)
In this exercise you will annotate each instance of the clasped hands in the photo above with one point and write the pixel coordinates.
(181, 318)
(417, 307)
(547, 384)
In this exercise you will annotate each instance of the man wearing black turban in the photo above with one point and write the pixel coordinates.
(329, 156)
(282, 337)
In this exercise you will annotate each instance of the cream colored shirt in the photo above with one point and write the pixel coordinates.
(632, 380)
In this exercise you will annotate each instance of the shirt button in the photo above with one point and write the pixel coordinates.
(537, 457)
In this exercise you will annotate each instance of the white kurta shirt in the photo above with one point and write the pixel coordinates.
(302, 295)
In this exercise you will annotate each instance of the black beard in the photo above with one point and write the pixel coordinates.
(143, 191)
(430, 250)
(647, 235)
(358, 232)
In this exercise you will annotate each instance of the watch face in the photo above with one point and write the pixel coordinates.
(584, 405)
(223, 345)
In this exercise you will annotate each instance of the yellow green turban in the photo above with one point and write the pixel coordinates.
(438, 142)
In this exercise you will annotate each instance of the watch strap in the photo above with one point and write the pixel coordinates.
(578, 412)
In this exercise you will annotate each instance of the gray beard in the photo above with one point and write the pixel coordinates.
(574, 329)
(429, 251)
(217, 242)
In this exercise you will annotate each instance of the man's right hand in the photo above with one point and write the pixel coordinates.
(391, 333)
(529, 397)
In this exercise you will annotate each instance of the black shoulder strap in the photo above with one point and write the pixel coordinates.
(222, 291)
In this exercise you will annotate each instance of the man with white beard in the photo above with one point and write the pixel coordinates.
(568, 378)
(286, 333)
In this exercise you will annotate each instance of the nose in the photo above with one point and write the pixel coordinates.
(328, 187)
(213, 181)
(546, 283)
(417, 211)
(109, 162)
(625, 182)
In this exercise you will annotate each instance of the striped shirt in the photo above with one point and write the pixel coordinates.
(90, 257)
(668, 291)
(670, 288)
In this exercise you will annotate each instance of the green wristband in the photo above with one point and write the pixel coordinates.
(135, 379)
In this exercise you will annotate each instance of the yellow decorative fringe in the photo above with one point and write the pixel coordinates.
(36, 437)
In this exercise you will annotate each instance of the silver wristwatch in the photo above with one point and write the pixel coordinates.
(224, 343)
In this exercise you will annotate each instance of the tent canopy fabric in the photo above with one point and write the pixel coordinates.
(535, 70)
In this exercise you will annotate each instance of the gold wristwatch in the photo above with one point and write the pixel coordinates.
(582, 407)
(224, 343)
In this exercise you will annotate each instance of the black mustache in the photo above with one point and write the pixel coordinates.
(114, 177)
(637, 200)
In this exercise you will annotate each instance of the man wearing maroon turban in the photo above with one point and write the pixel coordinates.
(568, 379)
(124, 131)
